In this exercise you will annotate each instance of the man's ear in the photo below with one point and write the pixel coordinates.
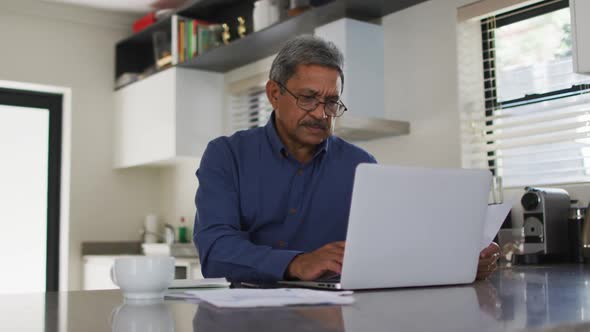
(272, 93)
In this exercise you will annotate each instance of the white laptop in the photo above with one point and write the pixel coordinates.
(412, 227)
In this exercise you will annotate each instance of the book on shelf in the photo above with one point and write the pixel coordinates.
(192, 37)
(181, 38)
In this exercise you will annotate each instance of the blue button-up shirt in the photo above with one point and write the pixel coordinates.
(258, 207)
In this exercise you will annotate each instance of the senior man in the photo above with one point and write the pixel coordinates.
(273, 202)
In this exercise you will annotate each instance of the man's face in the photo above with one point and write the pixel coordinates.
(298, 127)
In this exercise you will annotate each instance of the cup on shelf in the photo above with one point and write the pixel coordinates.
(143, 277)
(266, 13)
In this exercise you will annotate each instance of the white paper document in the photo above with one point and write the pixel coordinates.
(250, 298)
(200, 283)
(495, 216)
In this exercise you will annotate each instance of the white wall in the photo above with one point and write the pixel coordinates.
(178, 185)
(60, 45)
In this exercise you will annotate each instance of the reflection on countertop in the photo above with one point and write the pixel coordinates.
(532, 297)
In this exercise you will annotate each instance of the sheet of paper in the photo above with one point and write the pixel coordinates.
(250, 298)
(200, 283)
(495, 216)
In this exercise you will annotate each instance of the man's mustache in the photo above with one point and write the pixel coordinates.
(315, 123)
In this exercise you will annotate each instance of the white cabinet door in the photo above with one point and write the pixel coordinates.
(580, 14)
(171, 114)
(192, 266)
(144, 117)
(97, 272)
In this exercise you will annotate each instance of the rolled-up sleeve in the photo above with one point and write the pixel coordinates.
(224, 249)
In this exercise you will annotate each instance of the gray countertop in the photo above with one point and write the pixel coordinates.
(536, 297)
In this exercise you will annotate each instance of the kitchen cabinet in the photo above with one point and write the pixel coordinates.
(169, 115)
(97, 272)
(187, 268)
(580, 15)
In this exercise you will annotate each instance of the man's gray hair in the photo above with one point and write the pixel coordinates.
(305, 50)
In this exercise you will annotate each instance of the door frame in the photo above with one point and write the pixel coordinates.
(53, 102)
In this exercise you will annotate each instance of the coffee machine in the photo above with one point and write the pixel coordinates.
(545, 223)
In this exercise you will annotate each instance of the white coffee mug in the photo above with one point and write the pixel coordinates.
(143, 277)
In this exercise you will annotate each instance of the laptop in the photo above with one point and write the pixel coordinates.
(411, 227)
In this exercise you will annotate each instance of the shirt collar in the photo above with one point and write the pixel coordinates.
(277, 144)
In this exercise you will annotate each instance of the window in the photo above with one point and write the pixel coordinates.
(249, 107)
(535, 128)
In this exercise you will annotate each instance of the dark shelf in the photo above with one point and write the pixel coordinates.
(371, 9)
(265, 42)
(217, 9)
(135, 53)
(145, 35)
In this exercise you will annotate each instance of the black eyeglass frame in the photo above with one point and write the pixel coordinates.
(339, 103)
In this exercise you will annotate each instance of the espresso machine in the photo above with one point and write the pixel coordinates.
(545, 223)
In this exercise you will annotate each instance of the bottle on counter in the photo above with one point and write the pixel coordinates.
(182, 231)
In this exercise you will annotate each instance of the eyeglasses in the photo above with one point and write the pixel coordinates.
(308, 104)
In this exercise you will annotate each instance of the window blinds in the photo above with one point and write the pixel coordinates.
(533, 126)
(249, 108)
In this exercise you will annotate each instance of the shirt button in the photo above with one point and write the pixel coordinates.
(299, 172)
(292, 211)
(282, 244)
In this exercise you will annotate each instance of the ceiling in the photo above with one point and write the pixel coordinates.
(126, 6)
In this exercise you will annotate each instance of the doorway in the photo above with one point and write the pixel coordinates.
(30, 169)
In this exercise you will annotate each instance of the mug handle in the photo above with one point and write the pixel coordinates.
(113, 277)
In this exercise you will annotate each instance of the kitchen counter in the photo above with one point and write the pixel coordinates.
(111, 248)
(513, 299)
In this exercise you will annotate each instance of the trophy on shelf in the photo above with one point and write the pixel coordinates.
(241, 27)
(225, 36)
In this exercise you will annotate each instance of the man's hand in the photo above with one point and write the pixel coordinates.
(488, 261)
(312, 265)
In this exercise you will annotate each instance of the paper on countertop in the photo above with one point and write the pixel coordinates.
(495, 216)
(250, 298)
(200, 283)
